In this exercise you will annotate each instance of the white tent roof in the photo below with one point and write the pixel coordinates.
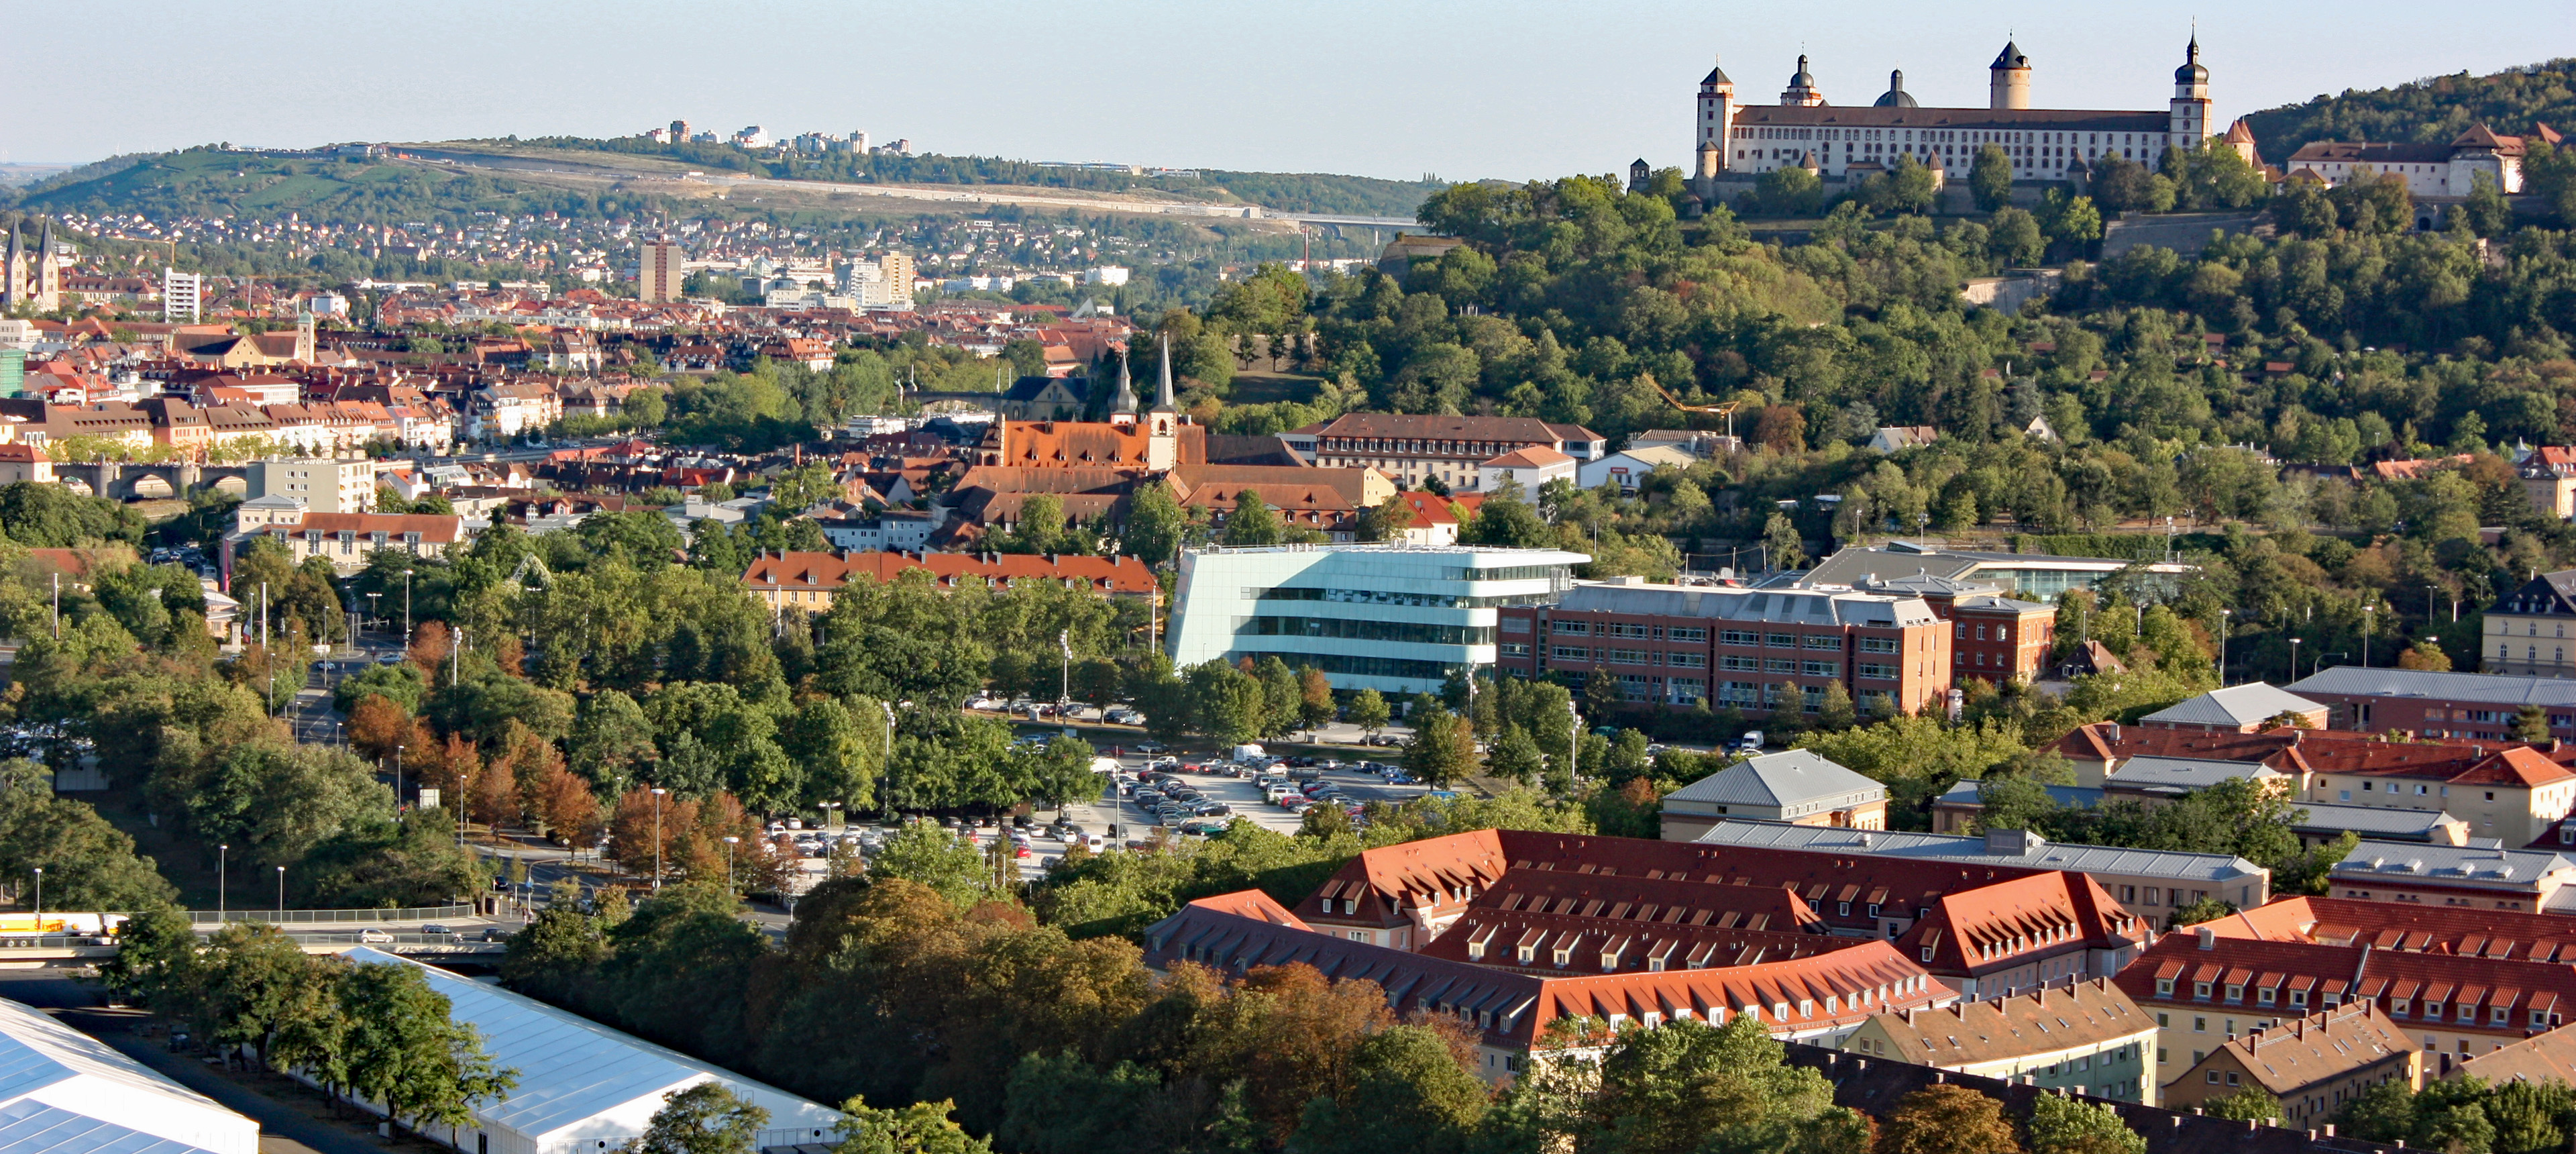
(62, 1090)
(580, 1081)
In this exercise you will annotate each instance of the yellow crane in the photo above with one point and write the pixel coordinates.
(1724, 409)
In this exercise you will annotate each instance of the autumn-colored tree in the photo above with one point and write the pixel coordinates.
(566, 806)
(1315, 698)
(448, 766)
(529, 755)
(496, 794)
(376, 726)
(631, 832)
(1947, 1119)
(1296, 1031)
(430, 646)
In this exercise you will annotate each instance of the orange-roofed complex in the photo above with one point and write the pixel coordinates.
(2208, 987)
(1818, 997)
(1560, 903)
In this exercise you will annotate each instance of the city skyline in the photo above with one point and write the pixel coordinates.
(1519, 93)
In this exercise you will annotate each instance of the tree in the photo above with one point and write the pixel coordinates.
(1410, 1090)
(707, 1118)
(1369, 711)
(1227, 703)
(1443, 749)
(404, 1049)
(2066, 1126)
(2530, 724)
(1252, 522)
(1154, 523)
(1782, 546)
(1507, 520)
(924, 852)
(88, 863)
(920, 1128)
(2203, 910)
(2248, 1104)
(2425, 654)
(1315, 698)
(1947, 1119)
(1516, 757)
(1990, 178)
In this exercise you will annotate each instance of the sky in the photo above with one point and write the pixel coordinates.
(1394, 88)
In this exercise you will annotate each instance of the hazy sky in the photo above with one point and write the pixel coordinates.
(1502, 88)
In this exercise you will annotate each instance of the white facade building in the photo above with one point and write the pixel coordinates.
(1394, 618)
(584, 1087)
(323, 485)
(64, 1092)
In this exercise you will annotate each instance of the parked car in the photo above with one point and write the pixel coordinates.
(1149, 747)
(436, 930)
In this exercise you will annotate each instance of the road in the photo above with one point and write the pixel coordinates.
(946, 194)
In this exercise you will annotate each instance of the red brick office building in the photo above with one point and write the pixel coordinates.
(1675, 645)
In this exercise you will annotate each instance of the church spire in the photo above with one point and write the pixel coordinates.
(1163, 402)
(1122, 404)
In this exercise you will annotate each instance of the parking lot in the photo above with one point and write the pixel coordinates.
(1213, 781)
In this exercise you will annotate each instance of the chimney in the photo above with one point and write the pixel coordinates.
(2115, 733)
(2208, 938)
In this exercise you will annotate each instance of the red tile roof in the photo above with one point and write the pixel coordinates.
(947, 570)
(1512, 1009)
(2407, 927)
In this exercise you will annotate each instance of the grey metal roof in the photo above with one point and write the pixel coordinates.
(2039, 854)
(2184, 773)
(2492, 688)
(1772, 606)
(2406, 860)
(1777, 779)
(2233, 706)
(2368, 820)
(1969, 792)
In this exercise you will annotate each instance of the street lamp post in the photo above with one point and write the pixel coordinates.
(406, 607)
(2366, 622)
(885, 779)
(1064, 692)
(2226, 617)
(223, 855)
(658, 791)
(730, 842)
(2294, 659)
(40, 899)
(373, 610)
(398, 758)
(281, 893)
(1573, 739)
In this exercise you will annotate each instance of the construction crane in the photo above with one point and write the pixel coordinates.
(1724, 409)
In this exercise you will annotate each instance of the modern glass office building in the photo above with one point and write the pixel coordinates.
(1394, 618)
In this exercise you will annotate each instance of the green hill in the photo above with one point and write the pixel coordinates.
(2433, 109)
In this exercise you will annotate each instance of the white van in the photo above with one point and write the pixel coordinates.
(1247, 754)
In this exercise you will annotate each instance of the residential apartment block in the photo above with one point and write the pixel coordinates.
(1756, 651)
(324, 485)
(2457, 982)
(2081, 1037)
(1417, 448)
(2456, 706)
(2313, 1065)
(2525, 631)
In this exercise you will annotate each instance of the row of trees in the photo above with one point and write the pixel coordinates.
(376, 1034)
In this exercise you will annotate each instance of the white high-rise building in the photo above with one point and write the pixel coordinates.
(182, 297)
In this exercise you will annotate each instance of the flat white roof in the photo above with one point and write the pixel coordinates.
(573, 1070)
(63, 1090)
